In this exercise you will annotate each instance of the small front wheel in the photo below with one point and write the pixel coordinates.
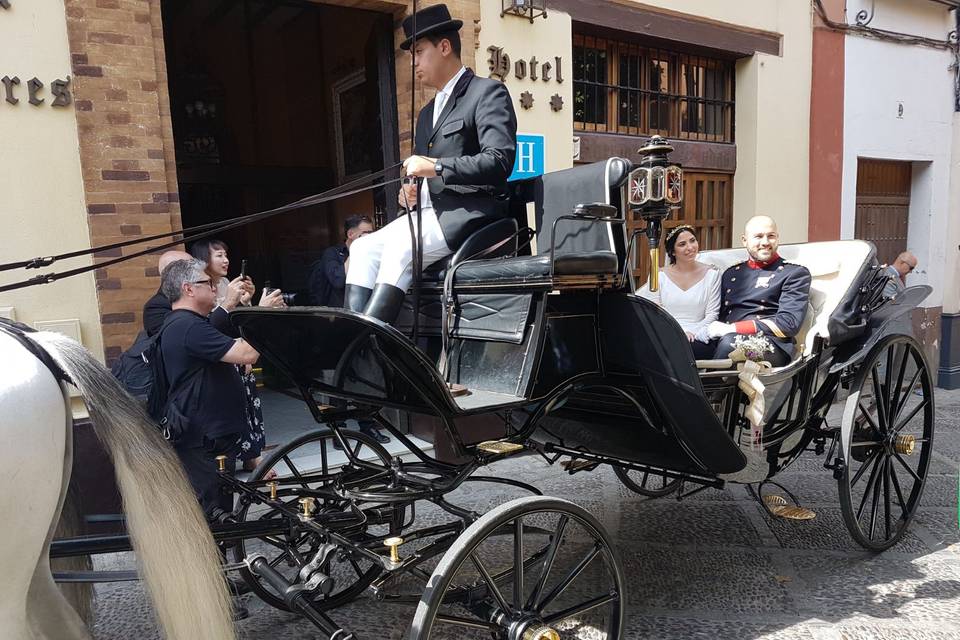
(534, 568)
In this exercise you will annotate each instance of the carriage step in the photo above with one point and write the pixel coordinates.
(778, 506)
(572, 466)
(499, 447)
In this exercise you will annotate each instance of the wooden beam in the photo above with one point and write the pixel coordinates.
(671, 26)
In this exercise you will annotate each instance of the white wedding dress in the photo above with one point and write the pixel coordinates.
(694, 308)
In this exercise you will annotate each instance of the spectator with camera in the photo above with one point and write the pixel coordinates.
(214, 253)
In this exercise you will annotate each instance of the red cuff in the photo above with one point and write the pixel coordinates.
(747, 327)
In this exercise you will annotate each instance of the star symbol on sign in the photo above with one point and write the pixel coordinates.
(526, 100)
(556, 102)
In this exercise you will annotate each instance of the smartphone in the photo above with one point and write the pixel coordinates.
(243, 269)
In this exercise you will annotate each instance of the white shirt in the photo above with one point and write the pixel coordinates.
(694, 308)
(439, 102)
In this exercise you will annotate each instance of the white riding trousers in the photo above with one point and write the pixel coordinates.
(386, 257)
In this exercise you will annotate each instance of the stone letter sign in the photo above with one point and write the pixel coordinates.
(5, 4)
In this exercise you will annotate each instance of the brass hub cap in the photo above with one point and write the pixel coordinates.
(905, 444)
(540, 633)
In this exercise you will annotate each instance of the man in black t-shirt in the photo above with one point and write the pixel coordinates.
(195, 353)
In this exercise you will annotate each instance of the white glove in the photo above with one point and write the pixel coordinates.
(716, 329)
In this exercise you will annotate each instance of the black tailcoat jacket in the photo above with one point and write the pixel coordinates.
(476, 140)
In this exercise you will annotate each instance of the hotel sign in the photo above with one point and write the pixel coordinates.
(12, 90)
(499, 63)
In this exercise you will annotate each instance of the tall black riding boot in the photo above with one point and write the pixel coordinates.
(385, 303)
(355, 297)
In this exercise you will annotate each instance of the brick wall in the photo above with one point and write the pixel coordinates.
(126, 148)
(126, 137)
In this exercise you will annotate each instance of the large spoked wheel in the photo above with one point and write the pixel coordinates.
(888, 432)
(647, 483)
(312, 463)
(535, 568)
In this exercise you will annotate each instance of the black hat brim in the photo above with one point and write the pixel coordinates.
(440, 27)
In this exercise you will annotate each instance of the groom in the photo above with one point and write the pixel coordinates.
(764, 295)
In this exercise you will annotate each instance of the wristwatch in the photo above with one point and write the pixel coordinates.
(438, 168)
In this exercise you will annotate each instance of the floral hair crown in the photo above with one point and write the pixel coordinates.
(676, 230)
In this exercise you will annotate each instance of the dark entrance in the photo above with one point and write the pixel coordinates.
(272, 101)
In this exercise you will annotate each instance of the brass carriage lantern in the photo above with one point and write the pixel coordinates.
(524, 8)
(655, 188)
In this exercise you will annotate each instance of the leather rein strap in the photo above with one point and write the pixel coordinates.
(189, 234)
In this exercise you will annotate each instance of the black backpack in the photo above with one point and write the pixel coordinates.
(141, 371)
(133, 368)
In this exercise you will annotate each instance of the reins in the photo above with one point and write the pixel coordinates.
(188, 234)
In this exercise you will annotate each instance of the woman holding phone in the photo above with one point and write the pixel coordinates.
(215, 253)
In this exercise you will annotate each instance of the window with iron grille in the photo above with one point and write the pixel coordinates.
(625, 88)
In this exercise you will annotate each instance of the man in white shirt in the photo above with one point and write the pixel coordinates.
(465, 146)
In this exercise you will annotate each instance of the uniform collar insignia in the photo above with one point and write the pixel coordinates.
(755, 264)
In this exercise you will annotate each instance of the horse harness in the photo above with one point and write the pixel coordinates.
(18, 331)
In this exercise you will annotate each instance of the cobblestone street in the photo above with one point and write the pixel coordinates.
(714, 566)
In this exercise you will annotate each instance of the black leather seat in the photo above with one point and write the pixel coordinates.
(498, 239)
(532, 269)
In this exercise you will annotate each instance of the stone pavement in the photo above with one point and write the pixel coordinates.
(714, 566)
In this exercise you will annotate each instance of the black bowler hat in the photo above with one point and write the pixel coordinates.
(435, 19)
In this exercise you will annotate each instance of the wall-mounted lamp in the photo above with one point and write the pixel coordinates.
(524, 8)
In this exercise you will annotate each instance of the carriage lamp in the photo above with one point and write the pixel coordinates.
(524, 8)
(221, 463)
(654, 190)
(394, 544)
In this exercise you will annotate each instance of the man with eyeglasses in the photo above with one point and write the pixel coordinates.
(905, 263)
(198, 359)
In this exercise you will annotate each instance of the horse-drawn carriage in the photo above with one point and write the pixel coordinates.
(552, 354)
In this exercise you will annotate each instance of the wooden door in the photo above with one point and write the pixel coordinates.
(707, 207)
(883, 205)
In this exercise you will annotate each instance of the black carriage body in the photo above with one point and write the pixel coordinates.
(559, 357)
(558, 353)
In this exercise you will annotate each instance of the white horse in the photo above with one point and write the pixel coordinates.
(175, 551)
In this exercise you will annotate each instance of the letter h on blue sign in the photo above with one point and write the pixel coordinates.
(529, 160)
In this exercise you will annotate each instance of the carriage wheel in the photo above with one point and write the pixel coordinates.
(573, 589)
(311, 462)
(647, 483)
(888, 434)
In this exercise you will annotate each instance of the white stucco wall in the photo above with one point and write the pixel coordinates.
(545, 39)
(879, 76)
(42, 208)
(773, 110)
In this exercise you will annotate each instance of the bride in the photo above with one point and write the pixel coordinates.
(689, 290)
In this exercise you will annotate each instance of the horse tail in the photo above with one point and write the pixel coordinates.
(178, 559)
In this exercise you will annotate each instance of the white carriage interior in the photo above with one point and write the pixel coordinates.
(833, 266)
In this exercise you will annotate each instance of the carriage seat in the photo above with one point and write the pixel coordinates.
(833, 270)
(586, 251)
(532, 270)
(497, 239)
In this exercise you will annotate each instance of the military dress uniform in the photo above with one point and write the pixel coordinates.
(769, 298)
